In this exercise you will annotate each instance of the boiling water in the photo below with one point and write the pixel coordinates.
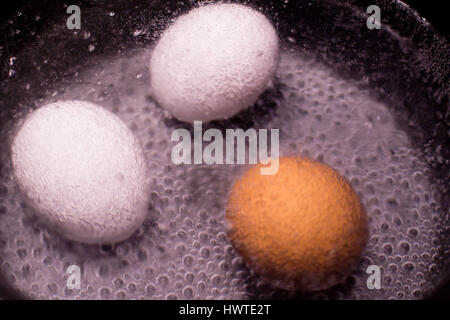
(182, 250)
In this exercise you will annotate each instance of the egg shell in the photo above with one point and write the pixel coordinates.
(82, 170)
(213, 62)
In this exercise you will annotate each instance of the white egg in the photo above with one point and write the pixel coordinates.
(83, 171)
(213, 62)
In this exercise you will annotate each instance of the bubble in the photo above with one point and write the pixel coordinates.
(142, 255)
(118, 283)
(104, 293)
(149, 273)
(188, 261)
(188, 293)
(132, 287)
(26, 271)
(387, 248)
(417, 293)
(216, 280)
(150, 290)
(413, 232)
(205, 253)
(163, 281)
(22, 253)
(190, 277)
(404, 247)
(181, 249)
(103, 271)
(408, 267)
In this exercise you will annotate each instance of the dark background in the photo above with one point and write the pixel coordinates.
(434, 11)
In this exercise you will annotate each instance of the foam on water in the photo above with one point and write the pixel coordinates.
(182, 250)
